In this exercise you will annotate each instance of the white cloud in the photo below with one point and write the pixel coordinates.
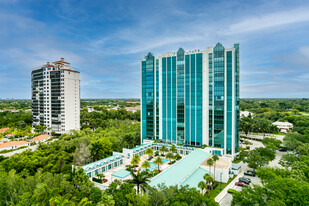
(270, 20)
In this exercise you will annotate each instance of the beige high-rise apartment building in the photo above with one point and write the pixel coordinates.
(56, 97)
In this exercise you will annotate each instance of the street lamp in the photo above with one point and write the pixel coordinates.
(220, 180)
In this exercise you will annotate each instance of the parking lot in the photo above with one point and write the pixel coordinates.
(227, 199)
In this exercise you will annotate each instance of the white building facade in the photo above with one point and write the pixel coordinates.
(56, 97)
(283, 126)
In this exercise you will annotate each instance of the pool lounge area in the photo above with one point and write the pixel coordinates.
(185, 170)
(153, 166)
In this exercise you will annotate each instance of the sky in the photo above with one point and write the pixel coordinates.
(105, 41)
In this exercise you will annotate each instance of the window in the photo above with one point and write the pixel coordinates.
(115, 164)
(103, 169)
(96, 172)
(89, 174)
(110, 166)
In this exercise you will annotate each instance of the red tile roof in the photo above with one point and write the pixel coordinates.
(47, 65)
(40, 137)
(3, 130)
(13, 143)
(70, 70)
(61, 62)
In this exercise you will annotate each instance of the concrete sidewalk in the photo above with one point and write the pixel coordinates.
(222, 194)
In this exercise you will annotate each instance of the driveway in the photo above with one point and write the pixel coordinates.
(9, 154)
(224, 198)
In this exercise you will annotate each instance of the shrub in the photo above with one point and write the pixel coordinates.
(157, 153)
(232, 191)
(178, 157)
(97, 180)
(215, 185)
(172, 162)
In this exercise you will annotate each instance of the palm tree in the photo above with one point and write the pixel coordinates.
(202, 185)
(135, 160)
(170, 156)
(163, 149)
(61, 200)
(158, 162)
(146, 165)
(130, 167)
(210, 162)
(209, 179)
(46, 194)
(96, 150)
(140, 179)
(215, 158)
(149, 152)
(173, 149)
(84, 202)
(101, 176)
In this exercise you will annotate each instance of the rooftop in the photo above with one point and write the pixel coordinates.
(101, 162)
(121, 174)
(235, 166)
(282, 123)
(13, 143)
(222, 163)
(3, 130)
(195, 178)
(180, 170)
(41, 137)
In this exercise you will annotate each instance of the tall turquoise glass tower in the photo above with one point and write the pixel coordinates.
(192, 97)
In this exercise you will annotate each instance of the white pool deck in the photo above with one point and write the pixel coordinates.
(110, 178)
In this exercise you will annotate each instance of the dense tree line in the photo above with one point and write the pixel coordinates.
(109, 102)
(288, 186)
(45, 176)
(58, 156)
(275, 105)
(259, 125)
(15, 104)
(266, 111)
(19, 119)
(97, 119)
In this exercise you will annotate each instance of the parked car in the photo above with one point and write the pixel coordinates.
(249, 173)
(245, 180)
(241, 184)
(282, 149)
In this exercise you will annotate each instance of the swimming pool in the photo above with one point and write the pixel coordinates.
(153, 166)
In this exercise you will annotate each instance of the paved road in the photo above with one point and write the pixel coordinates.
(33, 148)
(261, 136)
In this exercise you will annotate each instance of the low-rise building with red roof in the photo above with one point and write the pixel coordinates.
(41, 138)
(13, 144)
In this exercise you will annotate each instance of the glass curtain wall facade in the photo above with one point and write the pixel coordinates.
(192, 98)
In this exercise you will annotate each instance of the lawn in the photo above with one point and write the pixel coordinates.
(216, 191)
(237, 161)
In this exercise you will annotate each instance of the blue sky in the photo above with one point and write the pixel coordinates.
(105, 41)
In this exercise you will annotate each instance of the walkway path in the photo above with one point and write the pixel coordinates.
(222, 194)
(9, 154)
(33, 148)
